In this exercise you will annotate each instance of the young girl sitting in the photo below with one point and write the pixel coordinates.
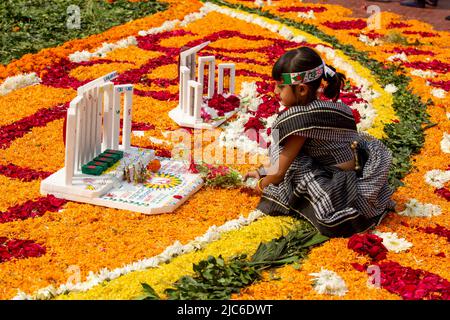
(321, 167)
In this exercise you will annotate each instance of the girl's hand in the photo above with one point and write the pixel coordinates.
(252, 174)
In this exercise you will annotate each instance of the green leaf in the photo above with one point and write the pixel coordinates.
(149, 293)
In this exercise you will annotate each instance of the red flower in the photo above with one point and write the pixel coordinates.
(192, 166)
(393, 25)
(405, 224)
(32, 208)
(369, 244)
(346, 25)
(412, 51)
(265, 87)
(254, 123)
(139, 126)
(24, 174)
(302, 9)
(359, 267)
(410, 284)
(205, 115)
(438, 230)
(55, 202)
(435, 65)
(356, 115)
(268, 107)
(347, 97)
(443, 192)
(445, 85)
(222, 104)
(372, 35)
(19, 249)
(422, 33)
(10, 132)
(158, 95)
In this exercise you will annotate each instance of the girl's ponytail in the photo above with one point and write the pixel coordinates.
(335, 82)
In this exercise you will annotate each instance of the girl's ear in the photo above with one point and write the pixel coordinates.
(302, 90)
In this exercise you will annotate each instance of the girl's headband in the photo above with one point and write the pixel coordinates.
(308, 75)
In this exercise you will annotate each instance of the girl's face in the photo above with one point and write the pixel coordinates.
(292, 95)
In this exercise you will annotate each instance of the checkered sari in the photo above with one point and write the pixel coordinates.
(338, 203)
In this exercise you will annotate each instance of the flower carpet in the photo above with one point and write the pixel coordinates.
(398, 72)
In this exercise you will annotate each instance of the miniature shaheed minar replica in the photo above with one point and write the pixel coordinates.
(191, 102)
(100, 170)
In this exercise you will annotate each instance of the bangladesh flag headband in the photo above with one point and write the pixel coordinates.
(308, 75)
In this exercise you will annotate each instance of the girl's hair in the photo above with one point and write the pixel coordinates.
(303, 59)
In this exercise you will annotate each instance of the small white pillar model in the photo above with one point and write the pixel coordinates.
(195, 94)
(71, 124)
(92, 127)
(211, 62)
(188, 111)
(108, 96)
(231, 84)
(184, 102)
(127, 109)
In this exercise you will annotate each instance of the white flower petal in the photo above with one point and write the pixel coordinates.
(437, 178)
(414, 208)
(392, 242)
(328, 282)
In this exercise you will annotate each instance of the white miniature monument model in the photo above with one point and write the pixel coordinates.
(188, 111)
(93, 127)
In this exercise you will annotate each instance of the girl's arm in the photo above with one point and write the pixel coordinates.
(292, 147)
